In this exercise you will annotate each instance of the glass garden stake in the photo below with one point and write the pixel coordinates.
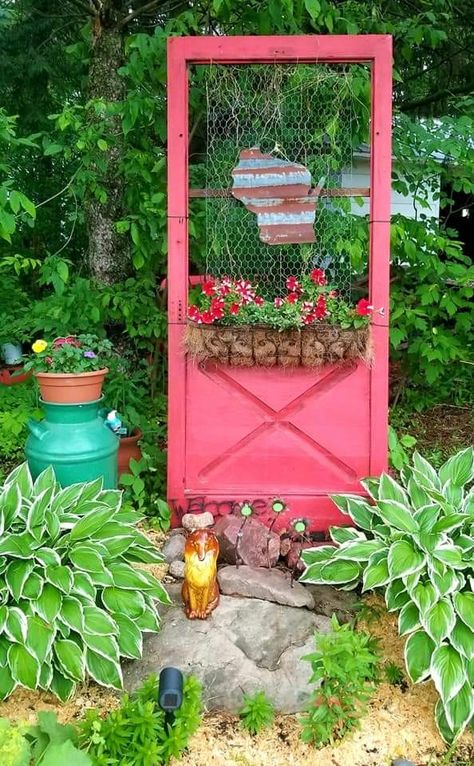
(299, 525)
(278, 506)
(246, 511)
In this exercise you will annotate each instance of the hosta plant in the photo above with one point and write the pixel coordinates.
(415, 540)
(72, 601)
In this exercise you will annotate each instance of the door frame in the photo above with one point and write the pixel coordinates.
(375, 50)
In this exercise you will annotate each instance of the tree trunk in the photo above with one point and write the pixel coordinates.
(109, 253)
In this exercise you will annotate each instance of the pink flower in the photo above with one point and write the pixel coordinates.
(225, 286)
(244, 288)
(363, 308)
(234, 308)
(49, 360)
(307, 306)
(333, 294)
(278, 303)
(318, 276)
(292, 298)
(209, 287)
(259, 301)
(293, 284)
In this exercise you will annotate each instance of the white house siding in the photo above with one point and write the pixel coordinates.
(359, 176)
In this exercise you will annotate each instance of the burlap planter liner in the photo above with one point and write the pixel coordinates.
(256, 345)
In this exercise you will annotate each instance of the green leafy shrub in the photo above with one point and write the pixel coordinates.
(345, 666)
(418, 546)
(18, 404)
(72, 603)
(256, 713)
(394, 674)
(138, 733)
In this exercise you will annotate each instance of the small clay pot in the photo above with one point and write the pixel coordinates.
(71, 388)
(12, 375)
(128, 449)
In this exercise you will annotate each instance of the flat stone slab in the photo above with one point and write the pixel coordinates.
(266, 584)
(329, 600)
(246, 645)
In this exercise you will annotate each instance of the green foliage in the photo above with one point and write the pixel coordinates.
(143, 497)
(48, 743)
(345, 667)
(417, 545)
(138, 733)
(256, 713)
(18, 404)
(72, 603)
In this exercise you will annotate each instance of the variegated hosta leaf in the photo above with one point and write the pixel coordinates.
(361, 512)
(408, 619)
(418, 652)
(404, 559)
(447, 671)
(345, 534)
(464, 606)
(439, 620)
(458, 469)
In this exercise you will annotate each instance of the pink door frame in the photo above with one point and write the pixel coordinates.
(375, 50)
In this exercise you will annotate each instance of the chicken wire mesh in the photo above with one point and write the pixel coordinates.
(310, 115)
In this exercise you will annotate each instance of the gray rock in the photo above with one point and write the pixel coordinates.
(246, 645)
(329, 601)
(253, 543)
(177, 569)
(173, 549)
(402, 762)
(266, 584)
(191, 521)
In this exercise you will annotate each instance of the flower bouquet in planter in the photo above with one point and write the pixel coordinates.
(312, 325)
(70, 370)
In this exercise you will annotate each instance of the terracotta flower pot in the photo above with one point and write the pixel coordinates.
(71, 388)
(12, 375)
(128, 449)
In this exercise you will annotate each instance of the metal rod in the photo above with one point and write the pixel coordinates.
(349, 192)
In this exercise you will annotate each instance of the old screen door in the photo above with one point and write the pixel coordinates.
(240, 435)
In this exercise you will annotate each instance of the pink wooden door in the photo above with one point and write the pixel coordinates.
(250, 434)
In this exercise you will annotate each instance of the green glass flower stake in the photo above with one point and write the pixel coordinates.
(300, 526)
(246, 512)
(277, 506)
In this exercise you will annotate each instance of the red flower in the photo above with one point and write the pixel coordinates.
(309, 318)
(292, 298)
(318, 276)
(363, 308)
(321, 310)
(70, 340)
(194, 313)
(278, 303)
(293, 284)
(209, 287)
(259, 300)
(307, 306)
(217, 308)
(234, 308)
(207, 317)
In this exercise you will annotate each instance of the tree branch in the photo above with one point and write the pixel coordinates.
(137, 12)
(460, 90)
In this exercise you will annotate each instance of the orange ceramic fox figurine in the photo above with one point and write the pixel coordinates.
(200, 590)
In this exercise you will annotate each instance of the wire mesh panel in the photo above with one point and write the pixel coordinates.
(280, 142)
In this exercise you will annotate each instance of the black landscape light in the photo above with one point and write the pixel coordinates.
(170, 692)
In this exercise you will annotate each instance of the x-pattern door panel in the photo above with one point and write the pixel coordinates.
(259, 436)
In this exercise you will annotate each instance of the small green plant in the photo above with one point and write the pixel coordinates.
(394, 674)
(72, 601)
(139, 494)
(345, 668)
(256, 713)
(138, 733)
(398, 447)
(47, 743)
(417, 545)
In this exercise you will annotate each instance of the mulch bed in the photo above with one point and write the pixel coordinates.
(260, 346)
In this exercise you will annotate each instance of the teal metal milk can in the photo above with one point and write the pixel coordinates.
(74, 439)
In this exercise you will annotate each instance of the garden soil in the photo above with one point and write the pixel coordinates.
(399, 723)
